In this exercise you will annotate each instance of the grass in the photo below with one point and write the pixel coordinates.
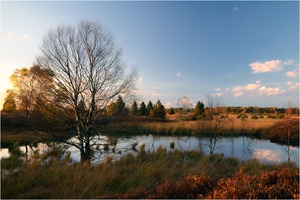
(232, 126)
(19, 137)
(145, 172)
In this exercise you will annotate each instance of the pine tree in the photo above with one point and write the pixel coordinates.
(122, 110)
(143, 109)
(134, 108)
(149, 108)
(171, 111)
(199, 109)
(158, 110)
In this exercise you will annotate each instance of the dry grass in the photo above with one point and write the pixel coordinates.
(261, 123)
(232, 123)
(18, 137)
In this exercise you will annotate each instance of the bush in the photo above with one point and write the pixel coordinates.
(254, 117)
(281, 116)
(272, 116)
(242, 116)
(279, 183)
(191, 187)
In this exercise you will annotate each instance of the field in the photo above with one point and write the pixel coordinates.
(176, 125)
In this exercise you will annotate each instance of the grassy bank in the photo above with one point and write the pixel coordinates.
(233, 126)
(148, 175)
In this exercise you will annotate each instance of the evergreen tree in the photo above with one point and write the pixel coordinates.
(149, 108)
(199, 109)
(134, 108)
(158, 110)
(121, 106)
(143, 109)
(171, 111)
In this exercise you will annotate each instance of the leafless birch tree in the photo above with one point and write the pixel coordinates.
(88, 73)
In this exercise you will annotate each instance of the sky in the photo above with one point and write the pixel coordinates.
(246, 53)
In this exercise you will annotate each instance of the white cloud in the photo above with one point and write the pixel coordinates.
(236, 8)
(218, 89)
(289, 83)
(292, 74)
(178, 74)
(293, 86)
(218, 94)
(269, 91)
(269, 66)
(240, 90)
(13, 36)
(168, 105)
(256, 88)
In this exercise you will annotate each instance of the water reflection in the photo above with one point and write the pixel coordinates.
(242, 148)
(4, 153)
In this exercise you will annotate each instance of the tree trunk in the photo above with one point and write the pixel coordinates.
(85, 158)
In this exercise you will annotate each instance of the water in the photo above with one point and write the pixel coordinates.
(242, 148)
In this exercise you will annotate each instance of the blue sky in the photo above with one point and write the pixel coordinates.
(245, 52)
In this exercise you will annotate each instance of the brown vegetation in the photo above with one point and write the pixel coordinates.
(285, 131)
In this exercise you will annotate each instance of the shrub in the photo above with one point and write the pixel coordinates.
(254, 117)
(279, 183)
(242, 116)
(281, 116)
(191, 187)
(272, 116)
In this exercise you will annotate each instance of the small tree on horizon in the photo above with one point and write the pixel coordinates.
(184, 103)
(121, 106)
(9, 104)
(199, 109)
(134, 108)
(149, 108)
(158, 110)
(172, 111)
(143, 109)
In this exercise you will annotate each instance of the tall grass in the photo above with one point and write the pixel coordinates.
(231, 127)
(145, 172)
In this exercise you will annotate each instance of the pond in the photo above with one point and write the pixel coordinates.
(242, 148)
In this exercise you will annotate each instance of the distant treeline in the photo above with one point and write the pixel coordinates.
(241, 110)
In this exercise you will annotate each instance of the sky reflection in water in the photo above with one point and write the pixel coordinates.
(242, 148)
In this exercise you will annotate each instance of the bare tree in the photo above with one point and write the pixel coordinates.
(184, 103)
(213, 123)
(88, 73)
